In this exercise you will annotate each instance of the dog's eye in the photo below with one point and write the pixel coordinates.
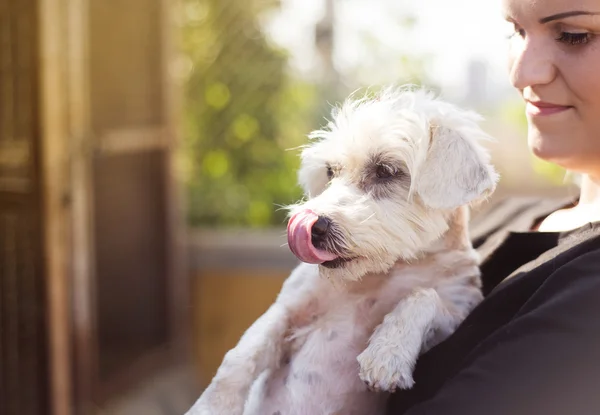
(384, 172)
(329, 172)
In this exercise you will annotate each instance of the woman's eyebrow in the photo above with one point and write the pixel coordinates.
(567, 14)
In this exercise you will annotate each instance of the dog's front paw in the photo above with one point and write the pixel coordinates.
(385, 372)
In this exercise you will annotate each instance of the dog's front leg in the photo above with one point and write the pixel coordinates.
(258, 349)
(388, 362)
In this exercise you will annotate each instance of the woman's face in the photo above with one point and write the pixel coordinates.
(555, 64)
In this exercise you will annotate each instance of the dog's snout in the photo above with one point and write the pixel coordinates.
(319, 229)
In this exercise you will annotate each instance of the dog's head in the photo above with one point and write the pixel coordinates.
(382, 180)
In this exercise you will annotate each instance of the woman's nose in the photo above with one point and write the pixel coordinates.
(531, 63)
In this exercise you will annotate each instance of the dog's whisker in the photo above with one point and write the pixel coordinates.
(367, 219)
(281, 207)
(300, 147)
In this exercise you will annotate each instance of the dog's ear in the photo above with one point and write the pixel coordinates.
(456, 171)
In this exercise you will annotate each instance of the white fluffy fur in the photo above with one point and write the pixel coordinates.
(335, 333)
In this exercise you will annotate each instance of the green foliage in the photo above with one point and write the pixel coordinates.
(242, 114)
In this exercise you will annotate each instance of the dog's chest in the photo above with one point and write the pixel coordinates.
(340, 320)
(327, 333)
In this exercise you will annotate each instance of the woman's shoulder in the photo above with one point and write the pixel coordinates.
(533, 328)
(523, 328)
(501, 235)
(577, 251)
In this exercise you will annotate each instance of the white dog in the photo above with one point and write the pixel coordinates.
(388, 270)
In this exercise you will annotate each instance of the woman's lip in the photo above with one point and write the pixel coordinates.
(544, 108)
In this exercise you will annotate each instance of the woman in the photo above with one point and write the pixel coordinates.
(533, 345)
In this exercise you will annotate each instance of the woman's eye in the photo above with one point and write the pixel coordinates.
(329, 172)
(574, 38)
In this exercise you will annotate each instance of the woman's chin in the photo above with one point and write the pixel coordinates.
(550, 149)
(561, 157)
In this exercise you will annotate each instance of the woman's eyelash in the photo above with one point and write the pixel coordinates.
(515, 30)
(520, 33)
(564, 37)
(574, 38)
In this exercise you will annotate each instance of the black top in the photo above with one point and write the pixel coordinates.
(533, 345)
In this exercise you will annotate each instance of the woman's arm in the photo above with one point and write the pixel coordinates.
(545, 361)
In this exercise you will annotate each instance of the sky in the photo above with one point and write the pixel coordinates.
(369, 38)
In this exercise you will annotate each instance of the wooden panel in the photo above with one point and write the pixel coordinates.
(23, 341)
(17, 54)
(125, 63)
(131, 280)
(136, 223)
(22, 335)
(130, 134)
(15, 165)
(132, 140)
(227, 302)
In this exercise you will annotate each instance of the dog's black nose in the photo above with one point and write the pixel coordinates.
(319, 230)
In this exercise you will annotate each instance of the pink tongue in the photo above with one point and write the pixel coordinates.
(299, 239)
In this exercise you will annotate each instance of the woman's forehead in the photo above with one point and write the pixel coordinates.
(544, 10)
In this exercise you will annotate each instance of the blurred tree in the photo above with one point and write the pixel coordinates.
(244, 109)
(242, 112)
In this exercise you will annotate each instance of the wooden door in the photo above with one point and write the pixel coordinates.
(115, 294)
(137, 293)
